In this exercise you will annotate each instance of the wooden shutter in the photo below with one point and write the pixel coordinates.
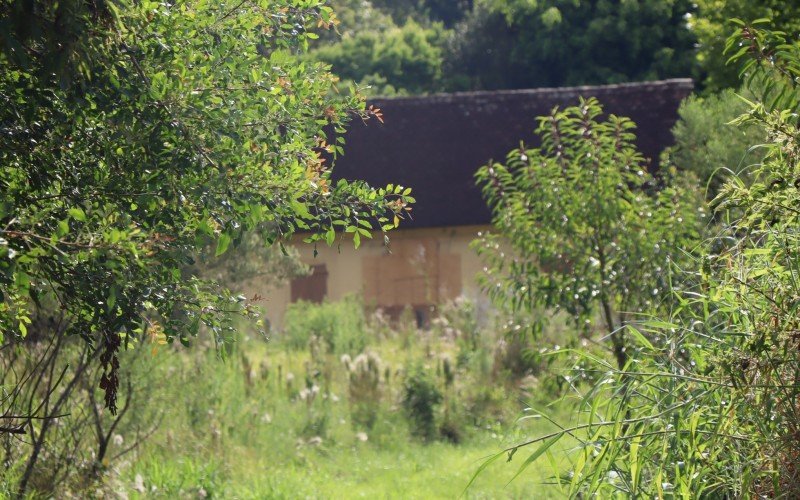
(311, 288)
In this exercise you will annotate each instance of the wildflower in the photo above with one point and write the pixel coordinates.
(138, 484)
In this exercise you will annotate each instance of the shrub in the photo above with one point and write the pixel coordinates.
(420, 400)
(341, 325)
(711, 147)
(459, 319)
(147, 83)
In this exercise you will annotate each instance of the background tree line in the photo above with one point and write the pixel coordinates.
(423, 46)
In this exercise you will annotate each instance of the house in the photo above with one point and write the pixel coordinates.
(434, 144)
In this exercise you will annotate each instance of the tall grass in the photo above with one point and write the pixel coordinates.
(410, 415)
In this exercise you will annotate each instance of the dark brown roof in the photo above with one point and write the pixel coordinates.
(434, 144)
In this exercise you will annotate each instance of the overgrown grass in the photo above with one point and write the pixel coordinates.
(410, 414)
(342, 470)
(276, 421)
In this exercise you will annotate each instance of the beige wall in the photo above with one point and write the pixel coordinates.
(432, 265)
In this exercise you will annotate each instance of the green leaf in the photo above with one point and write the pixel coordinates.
(22, 281)
(63, 228)
(546, 444)
(641, 339)
(77, 213)
(222, 244)
(111, 300)
(486, 463)
(301, 209)
(634, 454)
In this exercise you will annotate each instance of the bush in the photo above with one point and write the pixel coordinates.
(420, 400)
(341, 325)
(403, 60)
(707, 144)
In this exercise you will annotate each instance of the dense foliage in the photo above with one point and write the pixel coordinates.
(709, 145)
(507, 44)
(494, 44)
(153, 153)
(400, 59)
(134, 133)
(521, 44)
(581, 224)
(708, 405)
(711, 24)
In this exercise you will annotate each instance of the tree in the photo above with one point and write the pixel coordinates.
(446, 11)
(519, 44)
(582, 225)
(712, 27)
(134, 133)
(709, 145)
(406, 59)
(709, 408)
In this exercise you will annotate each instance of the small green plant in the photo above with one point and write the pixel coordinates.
(365, 388)
(421, 397)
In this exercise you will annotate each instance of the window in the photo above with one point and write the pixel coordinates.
(311, 288)
(416, 274)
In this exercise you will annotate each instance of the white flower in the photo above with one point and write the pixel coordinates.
(138, 484)
(362, 436)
